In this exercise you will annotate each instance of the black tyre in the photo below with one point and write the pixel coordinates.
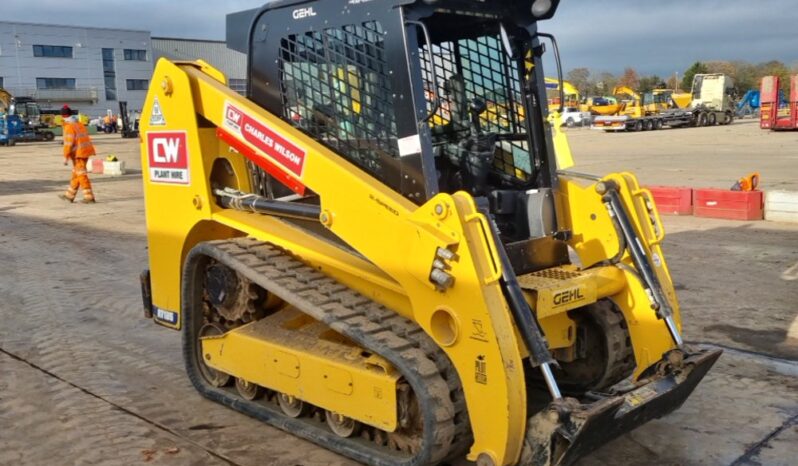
(712, 119)
(49, 135)
(701, 119)
(728, 117)
(648, 125)
(637, 126)
(608, 353)
(570, 123)
(657, 124)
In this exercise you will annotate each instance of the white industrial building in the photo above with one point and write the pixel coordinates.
(90, 69)
(230, 62)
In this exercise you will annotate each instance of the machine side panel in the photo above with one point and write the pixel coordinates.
(401, 239)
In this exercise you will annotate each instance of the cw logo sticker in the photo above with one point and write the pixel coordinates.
(168, 157)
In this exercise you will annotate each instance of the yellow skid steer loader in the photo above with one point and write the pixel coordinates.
(375, 249)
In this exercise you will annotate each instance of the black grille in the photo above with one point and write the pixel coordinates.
(336, 87)
(485, 72)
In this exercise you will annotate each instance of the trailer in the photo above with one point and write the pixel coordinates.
(711, 105)
(671, 118)
(771, 116)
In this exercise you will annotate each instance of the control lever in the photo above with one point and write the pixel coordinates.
(476, 152)
(476, 107)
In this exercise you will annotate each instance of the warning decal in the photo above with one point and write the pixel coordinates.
(278, 148)
(168, 157)
(156, 117)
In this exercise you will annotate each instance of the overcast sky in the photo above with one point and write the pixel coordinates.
(655, 37)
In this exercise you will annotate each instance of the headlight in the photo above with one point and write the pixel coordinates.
(540, 8)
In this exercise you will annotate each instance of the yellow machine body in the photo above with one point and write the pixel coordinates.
(469, 321)
(386, 237)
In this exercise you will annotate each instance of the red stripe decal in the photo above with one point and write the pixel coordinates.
(272, 169)
(278, 148)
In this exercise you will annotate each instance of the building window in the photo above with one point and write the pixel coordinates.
(138, 84)
(109, 72)
(238, 85)
(52, 51)
(1, 81)
(55, 83)
(135, 55)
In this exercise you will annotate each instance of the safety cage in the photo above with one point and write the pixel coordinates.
(395, 93)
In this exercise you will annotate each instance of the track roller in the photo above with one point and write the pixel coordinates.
(341, 425)
(248, 390)
(291, 406)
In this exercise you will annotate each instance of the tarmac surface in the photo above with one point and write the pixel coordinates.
(85, 379)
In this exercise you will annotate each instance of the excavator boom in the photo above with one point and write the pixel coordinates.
(5, 100)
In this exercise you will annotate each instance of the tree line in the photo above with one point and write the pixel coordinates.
(745, 75)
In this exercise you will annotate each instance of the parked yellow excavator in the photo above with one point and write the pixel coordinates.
(630, 103)
(624, 101)
(600, 105)
(400, 292)
(5, 100)
(664, 99)
(569, 97)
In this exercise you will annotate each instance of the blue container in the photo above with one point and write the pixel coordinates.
(10, 129)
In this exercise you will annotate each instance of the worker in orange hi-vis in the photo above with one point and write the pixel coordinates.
(77, 148)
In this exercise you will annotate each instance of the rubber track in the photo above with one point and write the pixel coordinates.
(366, 322)
(622, 362)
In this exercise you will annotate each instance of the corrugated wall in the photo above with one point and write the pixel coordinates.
(231, 63)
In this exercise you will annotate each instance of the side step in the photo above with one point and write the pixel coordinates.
(293, 354)
(561, 289)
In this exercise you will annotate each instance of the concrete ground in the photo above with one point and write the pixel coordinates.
(699, 157)
(84, 379)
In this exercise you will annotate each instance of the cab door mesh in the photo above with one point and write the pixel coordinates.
(336, 87)
(487, 73)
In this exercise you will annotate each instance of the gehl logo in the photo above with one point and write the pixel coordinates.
(567, 296)
(302, 13)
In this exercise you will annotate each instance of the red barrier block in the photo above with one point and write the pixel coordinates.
(673, 200)
(733, 205)
(96, 166)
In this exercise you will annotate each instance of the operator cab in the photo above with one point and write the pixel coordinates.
(426, 96)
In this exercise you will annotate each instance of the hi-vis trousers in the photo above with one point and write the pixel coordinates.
(80, 179)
